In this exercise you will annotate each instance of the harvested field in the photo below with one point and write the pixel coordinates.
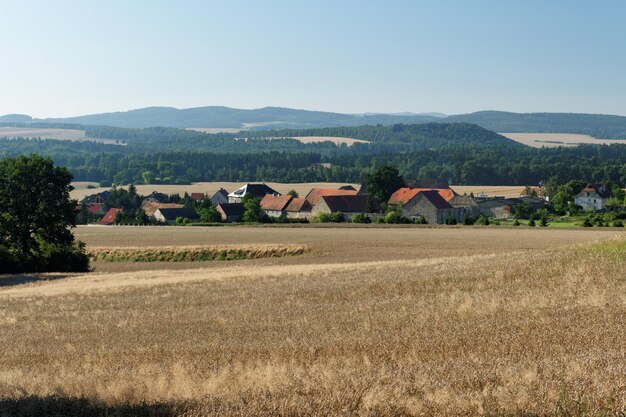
(533, 328)
(335, 140)
(490, 190)
(46, 133)
(211, 187)
(551, 140)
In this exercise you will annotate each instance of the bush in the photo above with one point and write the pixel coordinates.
(618, 223)
(468, 220)
(335, 217)
(587, 222)
(516, 223)
(182, 221)
(361, 218)
(420, 220)
(531, 222)
(450, 220)
(393, 217)
(63, 258)
(482, 220)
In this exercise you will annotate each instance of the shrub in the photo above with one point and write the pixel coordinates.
(334, 217)
(420, 220)
(63, 258)
(361, 218)
(531, 222)
(393, 217)
(482, 220)
(516, 223)
(182, 221)
(468, 220)
(450, 220)
(618, 223)
(587, 222)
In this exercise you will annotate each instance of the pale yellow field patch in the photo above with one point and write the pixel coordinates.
(551, 140)
(46, 133)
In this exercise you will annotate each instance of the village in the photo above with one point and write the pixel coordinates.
(417, 202)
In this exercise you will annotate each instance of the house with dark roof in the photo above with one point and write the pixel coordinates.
(154, 197)
(151, 208)
(348, 205)
(110, 216)
(231, 212)
(593, 197)
(169, 215)
(496, 207)
(220, 197)
(275, 205)
(98, 198)
(257, 191)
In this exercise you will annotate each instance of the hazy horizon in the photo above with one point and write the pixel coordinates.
(69, 58)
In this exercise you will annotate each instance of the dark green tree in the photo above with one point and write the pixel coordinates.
(253, 212)
(383, 182)
(37, 215)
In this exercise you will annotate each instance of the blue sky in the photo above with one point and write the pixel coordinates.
(62, 58)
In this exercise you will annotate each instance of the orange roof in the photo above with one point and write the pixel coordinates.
(405, 194)
(316, 193)
(275, 202)
(298, 204)
(151, 208)
(110, 216)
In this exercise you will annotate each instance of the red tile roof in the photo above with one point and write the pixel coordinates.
(110, 216)
(197, 196)
(275, 203)
(94, 208)
(405, 194)
(316, 193)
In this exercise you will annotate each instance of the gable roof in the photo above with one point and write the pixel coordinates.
(316, 193)
(599, 189)
(406, 194)
(298, 204)
(151, 208)
(220, 191)
(110, 216)
(275, 203)
(171, 214)
(256, 190)
(347, 187)
(160, 197)
(232, 209)
(435, 199)
(197, 196)
(346, 203)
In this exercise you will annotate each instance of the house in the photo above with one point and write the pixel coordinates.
(593, 197)
(220, 197)
(435, 205)
(95, 209)
(257, 191)
(298, 208)
(197, 196)
(169, 215)
(348, 205)
(275, 205)
(316, 193)
(155, 197)
(151, 208)
(231, 212)
(110, 216)
(98, 198)
(427, 204)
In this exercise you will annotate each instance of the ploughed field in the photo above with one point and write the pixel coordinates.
(367, 321)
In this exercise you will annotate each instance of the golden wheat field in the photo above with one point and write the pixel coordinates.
(49, 133)
(369, 322)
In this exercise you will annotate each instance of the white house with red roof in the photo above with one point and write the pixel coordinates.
(593, 197)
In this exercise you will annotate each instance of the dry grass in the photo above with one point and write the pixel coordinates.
(193, 253)
(503, 333)
(335, 140)
(211, 187)
(49, 133)
(551, 140)
(490, 190)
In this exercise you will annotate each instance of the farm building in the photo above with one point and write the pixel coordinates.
(348, 205)
(220, 197)
(316, 193)
(151, 208)
(435, 205)
(593, 197)
(110, 216)
(298, 208)
(231, 212)
(497, 208)
(275, 205)
(169, 215)
(257, 191)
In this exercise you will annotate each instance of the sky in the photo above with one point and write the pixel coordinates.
(64, 58)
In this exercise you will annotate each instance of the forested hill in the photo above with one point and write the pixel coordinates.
(597, 125)
(225, 117)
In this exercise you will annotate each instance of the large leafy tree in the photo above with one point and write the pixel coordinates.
(252, 210)
(383, 182)
(36, 213)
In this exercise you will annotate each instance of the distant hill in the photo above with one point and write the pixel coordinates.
(596, 125)
(225, 117)
(279, 118)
